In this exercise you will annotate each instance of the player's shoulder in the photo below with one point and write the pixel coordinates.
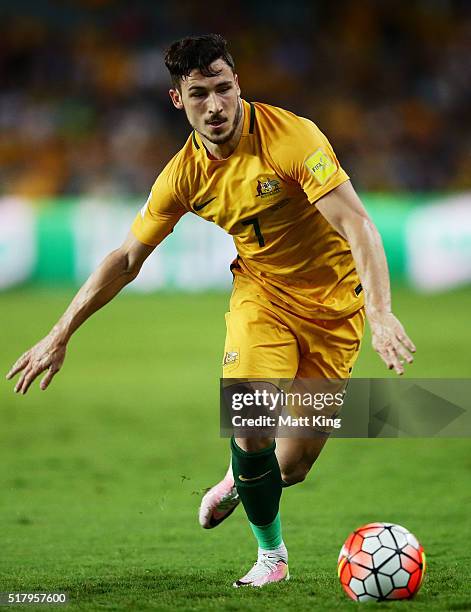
(284, 136)
(185, 155)
(274, 121)
(180, 163)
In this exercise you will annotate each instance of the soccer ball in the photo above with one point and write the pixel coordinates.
(381, 561)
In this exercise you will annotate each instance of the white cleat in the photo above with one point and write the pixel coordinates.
(219, 502)
(268, 568)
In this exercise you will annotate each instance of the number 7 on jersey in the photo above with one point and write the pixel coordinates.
(256, 226)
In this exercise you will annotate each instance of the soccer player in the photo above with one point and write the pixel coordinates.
(310, 265)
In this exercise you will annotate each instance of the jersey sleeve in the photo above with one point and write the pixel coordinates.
(309, 160)
(159, 215)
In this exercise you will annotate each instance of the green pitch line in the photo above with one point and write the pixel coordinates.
(102, 474)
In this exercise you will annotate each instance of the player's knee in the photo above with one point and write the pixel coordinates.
(294, 476)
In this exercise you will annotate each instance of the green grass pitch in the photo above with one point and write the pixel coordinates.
(102, 474)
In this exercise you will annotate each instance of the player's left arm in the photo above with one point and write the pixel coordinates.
(344, 210)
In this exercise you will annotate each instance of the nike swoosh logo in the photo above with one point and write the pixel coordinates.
(254, 478)
(200, 206)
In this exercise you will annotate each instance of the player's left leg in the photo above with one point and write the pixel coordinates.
(219, 501)
(296, 456)
(329, 351)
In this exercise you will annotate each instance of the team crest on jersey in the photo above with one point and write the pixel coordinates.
(230, 357)
(267, 188)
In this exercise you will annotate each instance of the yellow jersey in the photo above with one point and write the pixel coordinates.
(264, 196)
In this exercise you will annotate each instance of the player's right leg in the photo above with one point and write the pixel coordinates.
(258, 345)
(258, 481)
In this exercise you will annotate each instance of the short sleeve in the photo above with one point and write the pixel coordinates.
(310, 160)
(159, 215)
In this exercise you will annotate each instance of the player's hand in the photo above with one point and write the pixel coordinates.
(390, 341)
(48, 354)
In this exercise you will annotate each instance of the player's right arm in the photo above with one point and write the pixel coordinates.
(152, 224)
(118, 269)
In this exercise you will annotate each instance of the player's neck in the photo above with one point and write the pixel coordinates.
(222, 151)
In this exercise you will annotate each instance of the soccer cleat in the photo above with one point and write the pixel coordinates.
(219, 502)
(268, 568)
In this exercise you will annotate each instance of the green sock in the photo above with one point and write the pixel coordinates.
(268, 536)
(258, 480)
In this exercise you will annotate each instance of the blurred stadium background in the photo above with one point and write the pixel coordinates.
(85, 127)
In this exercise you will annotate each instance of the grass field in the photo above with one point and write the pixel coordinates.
(101, 475)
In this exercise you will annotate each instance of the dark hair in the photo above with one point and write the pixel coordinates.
(196, 52)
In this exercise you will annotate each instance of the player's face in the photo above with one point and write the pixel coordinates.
(212, 104)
